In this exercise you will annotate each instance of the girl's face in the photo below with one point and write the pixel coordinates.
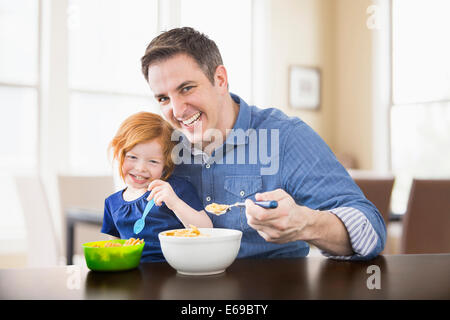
(143, 164)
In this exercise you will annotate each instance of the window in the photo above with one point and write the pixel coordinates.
(19, 107)
(234, 40)
(420, 112)
(70, 74)
(18, 84)
(106, 41)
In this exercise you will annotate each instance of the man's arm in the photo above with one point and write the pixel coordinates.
(341, 233)
(311, 174)
(365, 241)
(331, 234)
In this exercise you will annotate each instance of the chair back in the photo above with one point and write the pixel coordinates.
(377, 190)
(43, 248)
(85, 192)
(426, 224)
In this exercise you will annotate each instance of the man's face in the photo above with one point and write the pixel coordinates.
(187, 98)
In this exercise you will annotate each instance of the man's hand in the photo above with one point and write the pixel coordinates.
(290, 222)
(161, 191)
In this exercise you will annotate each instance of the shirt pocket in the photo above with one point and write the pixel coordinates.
(238, 189)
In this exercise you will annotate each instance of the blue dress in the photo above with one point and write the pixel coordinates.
(120, 216)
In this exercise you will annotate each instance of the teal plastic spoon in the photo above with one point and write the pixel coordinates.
(140, 223)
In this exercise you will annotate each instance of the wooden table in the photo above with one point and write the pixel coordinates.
(401, 277)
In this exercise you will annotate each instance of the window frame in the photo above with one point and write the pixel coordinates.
(395, 216)
(38, 89)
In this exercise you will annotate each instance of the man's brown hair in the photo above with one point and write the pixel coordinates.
(187, 41)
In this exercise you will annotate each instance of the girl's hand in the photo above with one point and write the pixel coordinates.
(161, 191)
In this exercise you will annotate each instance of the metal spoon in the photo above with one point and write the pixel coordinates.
(264, 204)
(140, 223)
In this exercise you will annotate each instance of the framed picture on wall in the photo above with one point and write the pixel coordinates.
(304, 87)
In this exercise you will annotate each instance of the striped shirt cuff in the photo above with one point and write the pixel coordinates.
(363, 237)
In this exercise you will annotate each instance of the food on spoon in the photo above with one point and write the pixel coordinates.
(216, 208)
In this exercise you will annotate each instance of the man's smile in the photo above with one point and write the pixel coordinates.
(189, 122)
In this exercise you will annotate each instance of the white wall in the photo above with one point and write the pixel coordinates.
(301, 34)
(353, 58)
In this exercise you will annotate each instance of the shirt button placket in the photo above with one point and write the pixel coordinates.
(209, 178)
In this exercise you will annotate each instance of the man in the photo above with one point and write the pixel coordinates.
(278, 158)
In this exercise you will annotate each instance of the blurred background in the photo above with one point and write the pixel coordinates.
(70, 73)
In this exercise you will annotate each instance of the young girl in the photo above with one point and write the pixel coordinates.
(142, 147)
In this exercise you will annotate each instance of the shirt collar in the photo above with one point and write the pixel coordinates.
(242, 121)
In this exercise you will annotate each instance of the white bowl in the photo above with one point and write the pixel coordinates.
(203, 255)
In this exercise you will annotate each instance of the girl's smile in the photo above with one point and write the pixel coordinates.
(138, 179)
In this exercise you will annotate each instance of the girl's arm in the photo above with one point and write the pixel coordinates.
(188, 215)
(162, 191)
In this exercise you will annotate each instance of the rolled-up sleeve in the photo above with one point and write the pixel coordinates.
(364, 240)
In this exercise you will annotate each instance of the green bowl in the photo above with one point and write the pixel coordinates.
(112, 258)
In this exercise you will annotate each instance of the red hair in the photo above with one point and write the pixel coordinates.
(143, 127)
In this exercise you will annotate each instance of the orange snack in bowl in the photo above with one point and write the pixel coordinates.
(133, 241)
(129, 242)
(191, 232)
(112, 244)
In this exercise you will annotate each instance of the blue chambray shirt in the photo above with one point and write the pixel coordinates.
(268, 150)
